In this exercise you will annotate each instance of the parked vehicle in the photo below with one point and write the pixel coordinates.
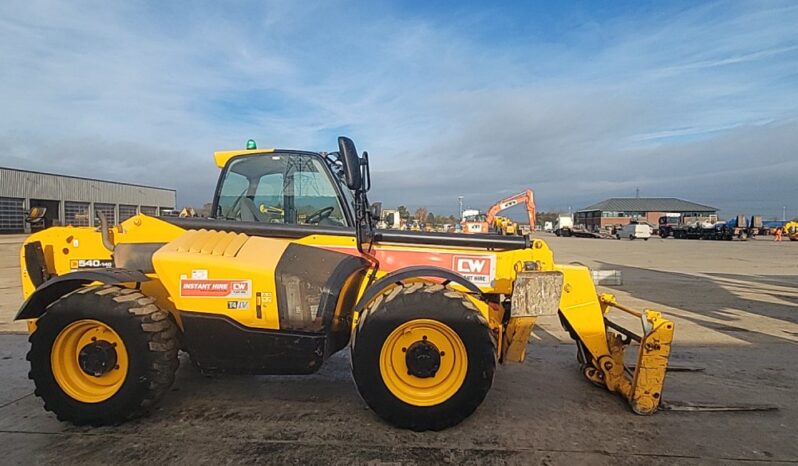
(738, 227)
(634, 231)
(564, 226)
(667, 223)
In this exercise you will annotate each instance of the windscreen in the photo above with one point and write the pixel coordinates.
(280, 188)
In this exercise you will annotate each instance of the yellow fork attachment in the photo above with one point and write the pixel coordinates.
(643, 389)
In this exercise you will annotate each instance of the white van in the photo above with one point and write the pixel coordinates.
(634, 231)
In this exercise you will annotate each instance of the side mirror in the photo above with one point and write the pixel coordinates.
(36, 215)
(351, 159)
(376, 210)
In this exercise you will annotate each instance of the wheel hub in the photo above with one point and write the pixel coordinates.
(97, 358)
(423, 359)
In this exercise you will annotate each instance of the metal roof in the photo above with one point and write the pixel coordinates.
(25, 184)
(85, 179)
(648, 204)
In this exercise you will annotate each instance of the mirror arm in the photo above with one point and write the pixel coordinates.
(364, 231)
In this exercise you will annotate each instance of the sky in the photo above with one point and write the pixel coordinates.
(579, 101)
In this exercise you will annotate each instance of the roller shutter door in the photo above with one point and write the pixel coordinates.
(12, 215)
(126, 211)
(76, 213)
(108, 210)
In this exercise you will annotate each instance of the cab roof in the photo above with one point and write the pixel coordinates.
(223, 156)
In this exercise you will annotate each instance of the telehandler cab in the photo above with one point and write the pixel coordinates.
(289, 270)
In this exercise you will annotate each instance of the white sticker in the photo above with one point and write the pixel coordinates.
(480, 270)
(199, 274)
(224, 288)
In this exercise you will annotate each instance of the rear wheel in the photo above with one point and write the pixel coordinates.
(423, 357)
(103, 355)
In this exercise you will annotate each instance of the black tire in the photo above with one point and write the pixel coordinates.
(423, 301)
(149, 334)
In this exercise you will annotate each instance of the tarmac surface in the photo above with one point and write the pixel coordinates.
(735, 306)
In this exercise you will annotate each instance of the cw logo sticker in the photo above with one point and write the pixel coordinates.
(479, 270)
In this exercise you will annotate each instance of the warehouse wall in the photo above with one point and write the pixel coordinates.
(20, 189)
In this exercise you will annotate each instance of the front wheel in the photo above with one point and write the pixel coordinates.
(102, 355)
(423, 357)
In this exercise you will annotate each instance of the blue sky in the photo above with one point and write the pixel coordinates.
(578, 101)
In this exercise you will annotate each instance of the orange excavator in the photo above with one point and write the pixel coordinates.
(488, 223)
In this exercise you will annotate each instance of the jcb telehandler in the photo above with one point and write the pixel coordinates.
(289, 270)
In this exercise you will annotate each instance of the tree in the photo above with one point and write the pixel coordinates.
(421, 214)
(543, 217)
(431, 219)
(403, 213)
(205, 211)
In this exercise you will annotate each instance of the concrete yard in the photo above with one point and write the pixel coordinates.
(735, 305)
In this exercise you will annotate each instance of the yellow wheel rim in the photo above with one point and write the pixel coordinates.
(426, 391)
(65, 361)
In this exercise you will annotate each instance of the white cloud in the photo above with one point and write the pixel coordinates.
(145, 93)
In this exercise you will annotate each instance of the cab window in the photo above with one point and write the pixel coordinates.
(280, 188)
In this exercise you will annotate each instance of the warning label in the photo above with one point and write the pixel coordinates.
(479, 270)
(215, 288)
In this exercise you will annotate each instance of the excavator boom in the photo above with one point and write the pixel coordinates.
(525, 197)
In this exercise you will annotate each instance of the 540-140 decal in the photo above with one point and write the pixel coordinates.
(91, 264)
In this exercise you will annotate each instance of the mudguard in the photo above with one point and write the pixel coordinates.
(49, 291)
(412, 272)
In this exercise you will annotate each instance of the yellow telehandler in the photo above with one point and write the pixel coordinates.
(289, 270)
(791, 230)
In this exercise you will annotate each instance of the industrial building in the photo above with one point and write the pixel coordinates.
(72, 200)
(622, 211)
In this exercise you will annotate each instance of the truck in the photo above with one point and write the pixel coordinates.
(666, 224)
(564, 225)
(738, 227)
(391, 219)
